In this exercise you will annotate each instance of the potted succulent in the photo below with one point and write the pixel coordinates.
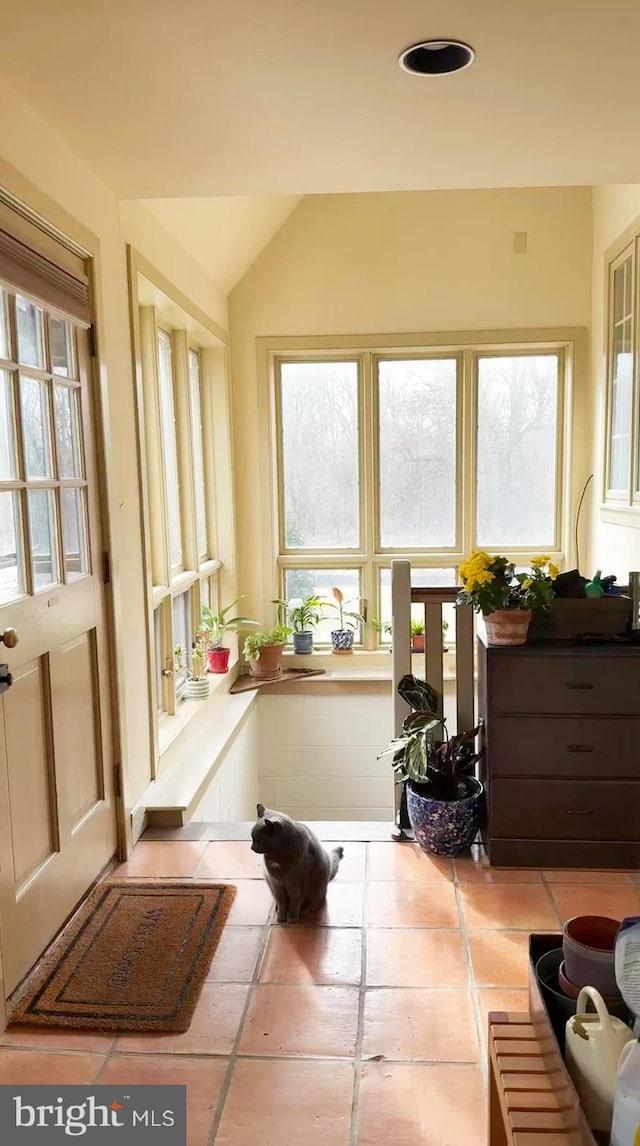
(342, 637)
(194, 666)
(444, 797)
(506, 598)
(215, 625)
(264, 651)
(302, 616)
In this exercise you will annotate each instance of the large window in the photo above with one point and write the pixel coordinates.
(622, 463)
(177, 379)
(420, 453)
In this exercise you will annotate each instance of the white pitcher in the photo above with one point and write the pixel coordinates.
(593, 1047)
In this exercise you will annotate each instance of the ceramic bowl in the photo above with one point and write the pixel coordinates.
(587, 945)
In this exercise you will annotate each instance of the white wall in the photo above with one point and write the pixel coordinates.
(614, 547)
(318, 752)
(406, 262)
(233, 792)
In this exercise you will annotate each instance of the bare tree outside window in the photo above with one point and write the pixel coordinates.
(417, 452)
(319, 417)
(517, 430)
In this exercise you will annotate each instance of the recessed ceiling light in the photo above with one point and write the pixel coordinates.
(436, 57)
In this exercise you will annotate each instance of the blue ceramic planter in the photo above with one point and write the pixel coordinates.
(342, 640)
(303, 642)
(445, 827)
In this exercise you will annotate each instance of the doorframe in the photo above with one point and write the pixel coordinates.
(37, 209)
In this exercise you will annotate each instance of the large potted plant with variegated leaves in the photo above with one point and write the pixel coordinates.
(349, 620)
(444, 797)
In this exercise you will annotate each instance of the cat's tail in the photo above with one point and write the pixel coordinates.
(336, 856)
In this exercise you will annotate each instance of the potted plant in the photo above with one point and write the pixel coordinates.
(264, 651)
(506, 598)
(417, 635)
(302, 616)
(215, 625)
(342, 637)
(195, 667)
(444, 797)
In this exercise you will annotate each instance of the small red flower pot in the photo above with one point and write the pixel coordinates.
(218, 660)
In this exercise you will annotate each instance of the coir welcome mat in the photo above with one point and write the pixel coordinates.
(134, 958)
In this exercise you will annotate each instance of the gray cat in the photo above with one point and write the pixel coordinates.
(297, 867)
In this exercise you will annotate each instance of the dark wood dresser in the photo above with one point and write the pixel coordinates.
(561, 759)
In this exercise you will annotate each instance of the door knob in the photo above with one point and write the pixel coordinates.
(9, 638)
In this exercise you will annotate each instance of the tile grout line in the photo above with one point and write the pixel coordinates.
(233, 1055)
(357, 1058)
(552, 902)
(473, 990)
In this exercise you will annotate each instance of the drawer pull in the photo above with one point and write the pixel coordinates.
(579, 748)
(582, 812)
(579, 685)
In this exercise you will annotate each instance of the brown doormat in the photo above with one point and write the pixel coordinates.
(133, 958)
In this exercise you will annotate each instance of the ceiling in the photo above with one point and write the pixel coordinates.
(173, 98)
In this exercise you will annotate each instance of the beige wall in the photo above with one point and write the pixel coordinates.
(39, 168)
(613, 546)
(387, 263)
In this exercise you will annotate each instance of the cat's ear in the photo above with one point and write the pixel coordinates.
(261, 811)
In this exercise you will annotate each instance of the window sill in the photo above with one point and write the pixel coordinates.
(362, 665)
(620, 514)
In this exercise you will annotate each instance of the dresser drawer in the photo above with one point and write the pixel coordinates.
(572, 746)
(567, 685)
(564, 809)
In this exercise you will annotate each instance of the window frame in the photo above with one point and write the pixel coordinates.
(569, 345)
(157, 305)
(630, 497)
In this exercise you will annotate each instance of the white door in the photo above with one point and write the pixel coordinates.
(57, 808)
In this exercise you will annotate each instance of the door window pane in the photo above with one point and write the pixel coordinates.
(517, 421)
(319, 582)
(73, 533)
(5, 341)
(197, 452)
(11, 562)
(420, 579)
(319, 416)
(169, 452)
(35, 427)
(60, 343)
(65, 409)
(182, 636)
(41, 536)
(417, 460)
(29, 320)
(7, 447)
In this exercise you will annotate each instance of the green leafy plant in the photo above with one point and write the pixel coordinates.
(255, 642)
(419, 752)
(302, 615)
(417, 627)
(216, 624)
(193, 664)
(491, 582)
(381, 626)
(349, 619)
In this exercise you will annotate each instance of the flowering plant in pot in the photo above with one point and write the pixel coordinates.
(506, 598)
(302, 616)
(264, 651)
(342, 637)
(444, 797)
(215, 625)
(193, 667)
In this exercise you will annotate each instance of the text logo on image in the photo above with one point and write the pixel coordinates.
(99, 1115)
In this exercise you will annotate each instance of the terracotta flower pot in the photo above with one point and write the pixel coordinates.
(218, 659)
(507, 626)
(417, 643)
(269, 664)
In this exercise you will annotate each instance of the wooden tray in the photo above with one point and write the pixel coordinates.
(246, 682)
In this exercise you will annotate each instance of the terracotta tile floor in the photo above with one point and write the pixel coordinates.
(361, 1027)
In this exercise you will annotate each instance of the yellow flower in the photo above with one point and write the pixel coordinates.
(476, 580)
(527, 583)
(553, 570)
(538, 562)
